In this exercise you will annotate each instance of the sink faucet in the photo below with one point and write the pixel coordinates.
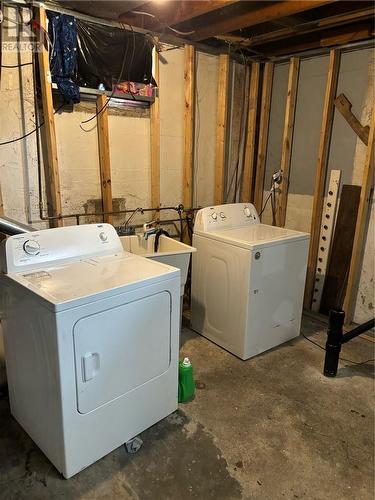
(125, 229)
(150, 228)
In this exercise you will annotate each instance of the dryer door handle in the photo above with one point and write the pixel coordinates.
(90, 365)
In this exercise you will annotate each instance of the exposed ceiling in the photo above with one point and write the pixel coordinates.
(261, 28)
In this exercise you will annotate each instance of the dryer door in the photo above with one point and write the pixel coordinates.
(119, 349)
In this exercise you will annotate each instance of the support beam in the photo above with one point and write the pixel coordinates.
(343, 104)
(49, 121)
(360, 230)
(249, 163)
(263, 134)
(189, 85)
(321, 171)
(104, 156)
(286, 152)
(221, 126)
(155, 141)
(263, 14)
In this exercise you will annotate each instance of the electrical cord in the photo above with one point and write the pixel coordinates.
(265, 203)
(272, 195)
(32, 131)
(9, 66)
(148, 14)
(342, 359)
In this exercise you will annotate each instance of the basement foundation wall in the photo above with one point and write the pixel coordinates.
(129, 144)
(347, 152)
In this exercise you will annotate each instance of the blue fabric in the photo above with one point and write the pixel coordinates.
(62, 31)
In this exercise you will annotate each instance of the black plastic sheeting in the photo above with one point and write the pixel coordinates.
(107, 55)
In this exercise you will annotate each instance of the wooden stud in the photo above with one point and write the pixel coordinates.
(358, 245)
(321, 170)
(49, 121)
(286, 152)
(189, 83)
(221, 127)
(104, 156)
(343, 104)
(263, 134)
(249, 163)
(155, 141)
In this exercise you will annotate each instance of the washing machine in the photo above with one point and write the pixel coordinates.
(91, 341)
(247, 280)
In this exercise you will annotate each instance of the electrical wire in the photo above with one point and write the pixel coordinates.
(148, 14)
(265, 204)
(272, 195)
(236, 176)
(32, 131)
(341, 358)
(16, 65)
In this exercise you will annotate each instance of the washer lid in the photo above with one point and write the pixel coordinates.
(255, 235)
(88, 280)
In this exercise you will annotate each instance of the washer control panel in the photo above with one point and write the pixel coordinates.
(55, 246)
(225, 216)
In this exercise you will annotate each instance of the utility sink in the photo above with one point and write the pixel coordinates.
(170, 251)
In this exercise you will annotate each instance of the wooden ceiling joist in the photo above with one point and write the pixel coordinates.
(327, 38)
(308, 27)
(268, 12)
(175, 12)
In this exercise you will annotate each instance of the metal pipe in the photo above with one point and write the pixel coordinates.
(334, 341)
(117, 212)
(12, 227)
(336, 338)
(358, 330)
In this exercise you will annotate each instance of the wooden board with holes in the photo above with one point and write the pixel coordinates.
(342, 246)
(326, 233)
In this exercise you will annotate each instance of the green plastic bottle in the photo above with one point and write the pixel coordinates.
(186, 386)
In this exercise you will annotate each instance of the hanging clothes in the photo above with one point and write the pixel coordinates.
(62, 30)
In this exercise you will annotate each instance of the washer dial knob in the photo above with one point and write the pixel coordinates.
(247, 211)
(214, 215)
(103, 236)
(31, 247)
(222, 215)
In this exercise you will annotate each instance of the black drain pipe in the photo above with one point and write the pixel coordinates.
(336, 337)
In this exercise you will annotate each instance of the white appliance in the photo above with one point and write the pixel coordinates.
(91, 341)
(247, 280)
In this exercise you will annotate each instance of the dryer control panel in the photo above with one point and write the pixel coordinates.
(55, 246)
(225, 216)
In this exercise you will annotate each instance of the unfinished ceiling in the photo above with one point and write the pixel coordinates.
(260, 28)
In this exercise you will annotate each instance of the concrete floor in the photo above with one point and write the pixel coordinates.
(272, 427)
